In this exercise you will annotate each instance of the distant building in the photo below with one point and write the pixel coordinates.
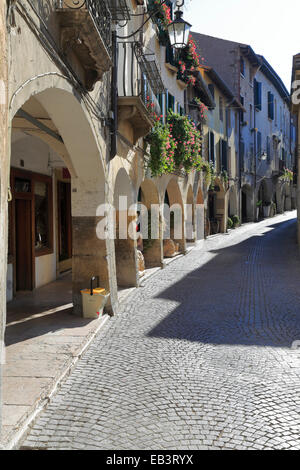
(267, 135)
(296, 110)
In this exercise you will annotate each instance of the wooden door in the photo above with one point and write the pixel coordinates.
(24, 260)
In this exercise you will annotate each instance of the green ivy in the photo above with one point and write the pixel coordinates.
(162, 150)
(174, 146)
(188, 142)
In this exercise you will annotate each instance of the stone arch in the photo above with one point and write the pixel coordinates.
(173, 198)
(288, 196)
(200, 215)
(233, 202)
(190, 215)
(152, 245)
(247, 203)
(125, 230)
(80, 149)
(264, 195)
(216, 213)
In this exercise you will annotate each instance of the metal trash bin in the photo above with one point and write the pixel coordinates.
(93, 301)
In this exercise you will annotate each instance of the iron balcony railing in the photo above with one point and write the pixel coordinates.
(138, 76)
(99, 13)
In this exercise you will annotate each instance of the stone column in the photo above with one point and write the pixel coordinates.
(153, 255)
(4, 181)
(126, 252)
(92, 253)
(200, 221)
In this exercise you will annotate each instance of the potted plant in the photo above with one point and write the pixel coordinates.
(229, 223)
(267, 209)
(235, 221)
(258, 206)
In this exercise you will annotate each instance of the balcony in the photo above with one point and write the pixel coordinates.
(85, 32)
(139, 82)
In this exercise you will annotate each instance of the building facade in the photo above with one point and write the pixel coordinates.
(296, 109)
(94, 103)
(82, 86)
(267, 132)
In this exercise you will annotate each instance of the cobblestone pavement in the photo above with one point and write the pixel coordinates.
(198, 358)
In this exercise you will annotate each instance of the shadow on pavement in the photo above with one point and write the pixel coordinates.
(249, 294)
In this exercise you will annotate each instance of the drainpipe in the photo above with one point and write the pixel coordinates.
(114, 98)
(255, 152)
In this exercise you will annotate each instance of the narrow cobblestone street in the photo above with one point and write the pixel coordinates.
(200, 357)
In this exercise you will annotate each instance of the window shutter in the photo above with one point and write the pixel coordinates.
(224, 161)
(212, 147)
(257, 94)
(259, 144)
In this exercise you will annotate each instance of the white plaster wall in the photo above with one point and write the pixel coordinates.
(45, 269)
(268, 127)
(35, 154)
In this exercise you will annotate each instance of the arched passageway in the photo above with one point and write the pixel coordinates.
(264, 200)
(247, 204)
(174, 220)
(200, 216)
(57, 181)
(190, 225)
(216, 209)
(151, 225)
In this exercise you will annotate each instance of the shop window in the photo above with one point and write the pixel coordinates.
(41, 215)
(22, 185)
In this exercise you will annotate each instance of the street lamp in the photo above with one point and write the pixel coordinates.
(179, 31)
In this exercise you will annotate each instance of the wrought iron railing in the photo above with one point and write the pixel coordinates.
(99, 12)
(134, 78)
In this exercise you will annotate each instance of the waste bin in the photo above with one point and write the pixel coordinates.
(93, 301)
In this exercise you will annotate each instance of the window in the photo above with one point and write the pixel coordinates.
(259, 152)
(37, 189)
(41, 214)
(251, 116)
(221, 111)
(223, 155)
(211, 147)
(170, 55)
(228, 120)
(270, 105)
(257, 95)
(242, 112)
(268, 149)
(212, 90)
(170, 102)
(236, 129)
(243, 68)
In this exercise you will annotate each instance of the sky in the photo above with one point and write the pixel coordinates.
(270, 27)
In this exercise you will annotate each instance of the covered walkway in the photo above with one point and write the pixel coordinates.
(42, 341)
